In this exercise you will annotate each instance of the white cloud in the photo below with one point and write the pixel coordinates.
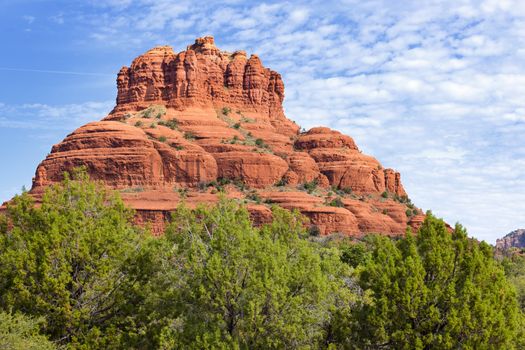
(47, 117)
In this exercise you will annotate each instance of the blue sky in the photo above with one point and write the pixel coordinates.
(436, 91)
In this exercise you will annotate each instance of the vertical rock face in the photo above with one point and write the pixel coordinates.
(515, 239)
(193, 123)
(203, 76)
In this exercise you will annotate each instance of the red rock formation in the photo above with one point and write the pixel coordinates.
(515, 239)
(123, 156)
(192, 123)
(203, 76)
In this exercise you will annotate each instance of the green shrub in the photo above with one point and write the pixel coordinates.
(310, 186)
(347, 190)
(226, 110)
(314, 231)
(172, 124)
(157, 110)
(254, 196)
(138, 123)
(281, 182)
(336, 202)
(183, 192)
(188, 135)
(162, 138)
(384, 194)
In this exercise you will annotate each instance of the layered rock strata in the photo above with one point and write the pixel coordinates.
(191, 125)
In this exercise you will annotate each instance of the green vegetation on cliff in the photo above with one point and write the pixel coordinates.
(86, 278)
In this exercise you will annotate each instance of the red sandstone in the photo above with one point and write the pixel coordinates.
(185, 121)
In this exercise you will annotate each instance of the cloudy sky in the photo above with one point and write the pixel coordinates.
(434, 89)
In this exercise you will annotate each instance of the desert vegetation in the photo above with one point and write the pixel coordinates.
(78, 274)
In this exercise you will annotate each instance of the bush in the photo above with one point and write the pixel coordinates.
(162, 138)
(281, 182)
(157, 110)
(336, 202)
(384, 194)
(354, 253)
(226, 110)
(138, 123)
(172, 124)
(314, 231)
(310, 186)
(254, 196)
(347, 190)
(189, 135)
(183, 192)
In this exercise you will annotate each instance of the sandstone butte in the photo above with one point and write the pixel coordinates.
(188, 126)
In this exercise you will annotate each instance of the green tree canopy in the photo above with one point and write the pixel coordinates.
(232, 285)
(514, 265)
(90, 280)
(63, 260)
(437, 290)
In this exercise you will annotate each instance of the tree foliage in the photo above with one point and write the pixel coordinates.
(435, 290)
(63, 260)
(514, 265)
(88, 279)
(232, 285)
(18, 332)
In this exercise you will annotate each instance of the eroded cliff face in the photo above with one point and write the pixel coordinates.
(515, 239)
(188, 126)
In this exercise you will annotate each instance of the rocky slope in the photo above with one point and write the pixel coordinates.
(190, 125)
(515, 239)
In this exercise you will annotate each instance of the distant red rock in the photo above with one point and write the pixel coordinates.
(189, 125)
(514, 239)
